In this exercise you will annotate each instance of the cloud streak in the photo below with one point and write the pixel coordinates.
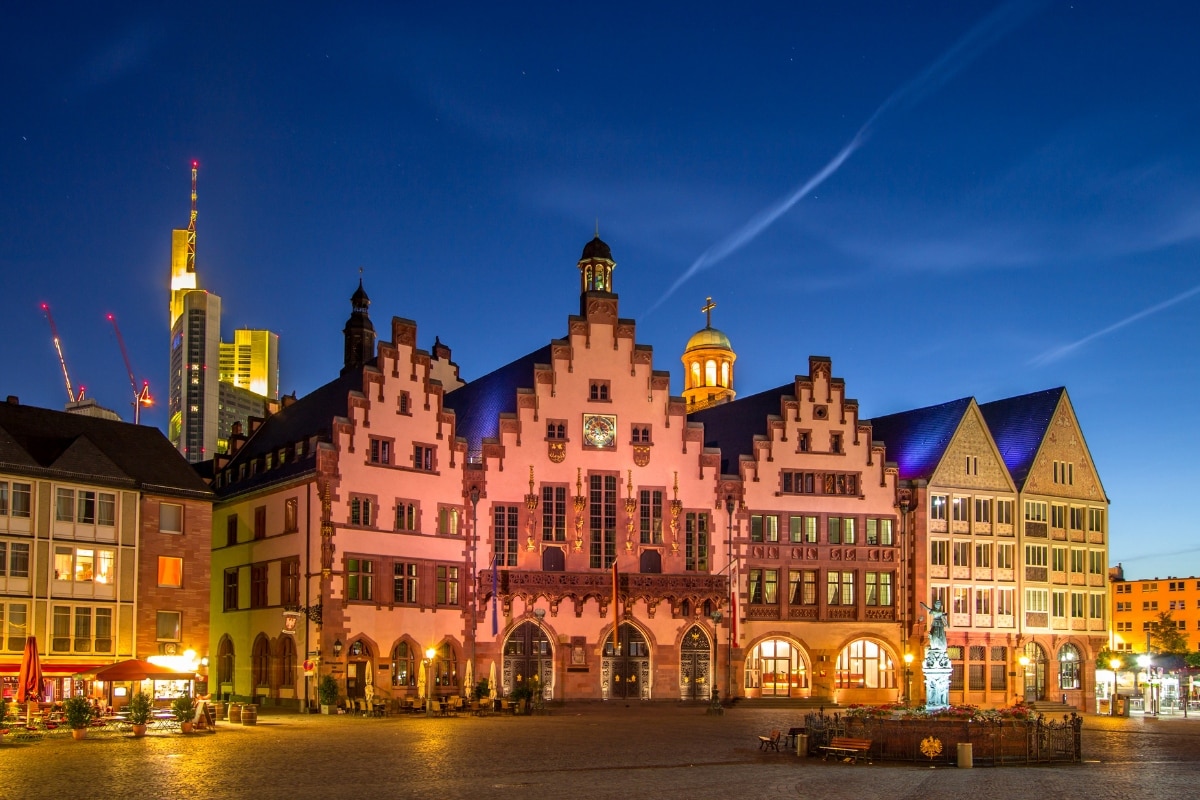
(1057, 353)
(981, 37)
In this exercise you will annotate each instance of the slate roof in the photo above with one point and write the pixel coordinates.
(478, 405)
(917, 440)
(732, 426)
(54, 444)
(1018, 424)
(311, 415)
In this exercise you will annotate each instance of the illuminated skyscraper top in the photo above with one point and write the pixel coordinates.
(183, 257)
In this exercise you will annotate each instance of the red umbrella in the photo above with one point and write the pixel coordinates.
(29, 680)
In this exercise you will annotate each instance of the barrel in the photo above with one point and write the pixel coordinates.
(235, 712)
(219, 709)
(249, 714)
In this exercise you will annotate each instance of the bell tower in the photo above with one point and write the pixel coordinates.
(359, 332)
(596, 267)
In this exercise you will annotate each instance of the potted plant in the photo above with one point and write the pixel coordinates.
(184, 708)
(327, 691)
(521, 695)
(138, 710)
(78, 712)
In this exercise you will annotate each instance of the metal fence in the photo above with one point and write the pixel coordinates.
(935, 741)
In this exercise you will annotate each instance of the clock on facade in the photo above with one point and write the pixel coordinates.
(599, 430)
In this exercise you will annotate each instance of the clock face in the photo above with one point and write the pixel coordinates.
(599, 430)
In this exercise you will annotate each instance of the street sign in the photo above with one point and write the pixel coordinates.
(309, 667)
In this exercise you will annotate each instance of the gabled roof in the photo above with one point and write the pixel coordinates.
(1019, 424)
(917, 440)
(732, 426)
(55, 444)
(478, 405)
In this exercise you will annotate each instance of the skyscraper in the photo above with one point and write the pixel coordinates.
(212, 384)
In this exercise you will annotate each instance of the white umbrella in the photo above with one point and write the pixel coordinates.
(492, 681)
(468, 684)
(421, 682)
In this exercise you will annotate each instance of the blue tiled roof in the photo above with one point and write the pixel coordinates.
(478, 405)
(916, 440)
(1018, 424)
(733, 426)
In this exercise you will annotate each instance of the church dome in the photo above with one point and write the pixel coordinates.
(708, 338)
(596, 248)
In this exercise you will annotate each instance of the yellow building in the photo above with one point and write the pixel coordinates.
(251, 361)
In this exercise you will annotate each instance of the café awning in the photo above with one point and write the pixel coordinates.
(135, 669)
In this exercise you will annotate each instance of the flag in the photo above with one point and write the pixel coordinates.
(616, 616)
(495, 611)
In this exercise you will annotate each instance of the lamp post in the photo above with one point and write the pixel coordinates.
(474, 546)
(429, 654)
(908, 661)
(732, 611)
(1115, 663)
(1024, 662)
(1148, 703)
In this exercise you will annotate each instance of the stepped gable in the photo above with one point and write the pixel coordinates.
(733, 426)
(478, 405)
(916, 440)
(1018, 425)
(67, 446)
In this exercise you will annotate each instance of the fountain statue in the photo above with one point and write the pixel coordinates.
(937, 662)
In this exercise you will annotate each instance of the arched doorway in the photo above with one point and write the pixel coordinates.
(359, 666)
(695, 665)
(776, 667)
(1035, 673)
(625, 673)
(527, 652)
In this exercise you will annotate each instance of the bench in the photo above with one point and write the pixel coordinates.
(770, 742)
(850, 749)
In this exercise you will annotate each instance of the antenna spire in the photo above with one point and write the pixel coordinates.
(191, 228)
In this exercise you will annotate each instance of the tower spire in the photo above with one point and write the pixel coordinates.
(191, 228)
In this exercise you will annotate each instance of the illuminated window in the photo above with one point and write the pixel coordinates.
(937, 506)
(170, 572)
(290, 521)
(447, 585)
(406, 515)
(710, 373)
(764, 528)
(878, 588)
(360, 579)
(958, 508)
(448, 521)
(803, 529)
(864, 664)
(404, 582)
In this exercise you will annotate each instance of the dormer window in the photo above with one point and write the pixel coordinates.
(556, 429)
(641, 434)
(598, 390)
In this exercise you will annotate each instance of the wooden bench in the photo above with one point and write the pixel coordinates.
(848, 748)
(770, 742)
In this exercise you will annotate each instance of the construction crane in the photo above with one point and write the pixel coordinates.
(71, 397)
(141, 397)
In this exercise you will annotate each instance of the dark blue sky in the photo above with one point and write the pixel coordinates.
(1025, 183)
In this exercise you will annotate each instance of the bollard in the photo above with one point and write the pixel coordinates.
(802, 745)
(966, 756)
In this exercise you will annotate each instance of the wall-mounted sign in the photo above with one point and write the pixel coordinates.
(290, 620)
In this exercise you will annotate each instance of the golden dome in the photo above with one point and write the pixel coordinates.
(708, 338)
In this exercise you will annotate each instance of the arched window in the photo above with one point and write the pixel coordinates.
(725, 374)
(710, 373)
(404, 664)
(695, 375)
(287, 663)
(445, 666)
(864, 664)
(225, 660)
(1068, 667)
(260, 661)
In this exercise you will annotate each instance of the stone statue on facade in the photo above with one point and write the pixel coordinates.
(937, 661)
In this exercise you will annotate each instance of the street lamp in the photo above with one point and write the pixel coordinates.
(908, 661)
(1024, 662)
(1115, 663)
(1144, 662)
(732, 611)
(429, 654)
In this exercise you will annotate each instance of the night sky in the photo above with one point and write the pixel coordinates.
(946, 198)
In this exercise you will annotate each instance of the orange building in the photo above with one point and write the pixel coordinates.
(1136, 605)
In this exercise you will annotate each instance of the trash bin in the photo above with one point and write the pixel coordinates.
(966, 755)
(802, 745)
(1122, 705)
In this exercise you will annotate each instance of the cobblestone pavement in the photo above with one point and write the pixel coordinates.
(586, 751)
